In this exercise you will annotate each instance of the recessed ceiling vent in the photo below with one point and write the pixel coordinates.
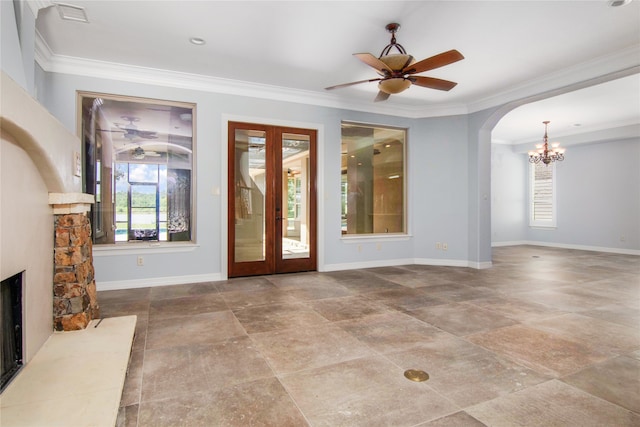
(72, 13)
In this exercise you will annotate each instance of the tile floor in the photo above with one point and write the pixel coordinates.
(545, 337)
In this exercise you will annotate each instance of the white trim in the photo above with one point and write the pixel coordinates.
(140, 248)
(373, 238)
(621, 251)
(367, 264)
(616, 61)
(157, 281)
(50, 62)
(53, 63)
(511, 243)
(407, 261)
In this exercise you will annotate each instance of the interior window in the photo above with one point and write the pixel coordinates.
(373, 179)
(138, 162)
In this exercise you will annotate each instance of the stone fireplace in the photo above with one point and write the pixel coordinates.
(74, 288)
(44, 226)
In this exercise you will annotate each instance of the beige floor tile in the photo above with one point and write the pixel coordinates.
(616, 380)
(258, 403)
(616, 313)
(465, 373)
(291, 350)
(186, 290)
(544, 352)
(461, 319)
(344, 308)
(133, 381)
(174, 371)
(246, 299)
(515, 309)
(391, 332)
(369, 391)
(245, 284)
(175, 307)
(203, 328)
(595, 333)
(538, 313)
(406, 299)
(552, 404)
(278, 316)
(459, 419)
(369, 283)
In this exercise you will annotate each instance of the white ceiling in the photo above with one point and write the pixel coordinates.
(305, 46)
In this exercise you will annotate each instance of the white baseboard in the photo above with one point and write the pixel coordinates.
(409, 261)
(569, 246)
(157, 281)
(366, 264)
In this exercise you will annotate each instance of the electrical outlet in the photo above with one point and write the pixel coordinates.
(359, 248)
(378, 246)
(140, 261)
(438, 246)
(445, 246)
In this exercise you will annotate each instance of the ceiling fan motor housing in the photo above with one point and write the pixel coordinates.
(396, 82)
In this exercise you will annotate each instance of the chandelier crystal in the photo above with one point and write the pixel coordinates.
(545, 154)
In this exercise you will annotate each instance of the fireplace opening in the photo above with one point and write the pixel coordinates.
(11, 322)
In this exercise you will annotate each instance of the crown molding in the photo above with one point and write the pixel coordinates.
(617, 64)
(51, 62)
(620, 63)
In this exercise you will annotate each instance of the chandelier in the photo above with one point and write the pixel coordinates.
(543, 153)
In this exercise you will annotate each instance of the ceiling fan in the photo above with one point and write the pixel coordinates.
(397, 70)
(139, 153)
(131, 131)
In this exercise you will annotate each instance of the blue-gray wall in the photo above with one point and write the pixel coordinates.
(597, 196)
(437, 181)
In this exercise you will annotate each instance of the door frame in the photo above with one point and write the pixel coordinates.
(274, 261)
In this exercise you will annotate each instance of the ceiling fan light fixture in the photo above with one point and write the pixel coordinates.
(137, 153)
(394, 85)
(397, 61)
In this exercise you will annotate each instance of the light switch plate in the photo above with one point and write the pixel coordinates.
(77, 164)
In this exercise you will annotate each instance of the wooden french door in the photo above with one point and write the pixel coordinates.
(272, 199)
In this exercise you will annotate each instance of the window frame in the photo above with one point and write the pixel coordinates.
(357, 237)
(86, 168)
(542, 223)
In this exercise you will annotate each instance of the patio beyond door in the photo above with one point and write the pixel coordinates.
(272, 199)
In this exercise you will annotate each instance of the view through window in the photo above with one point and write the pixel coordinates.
(373, 179)
(138, 162)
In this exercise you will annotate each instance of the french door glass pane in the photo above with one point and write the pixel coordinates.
(295, 196)
(249, 197)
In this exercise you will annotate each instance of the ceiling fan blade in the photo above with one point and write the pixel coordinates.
(432, 82)
(436, 61)
(110, 130)
(374, 62)
(147, 134)
(382, 96)
(351, 84)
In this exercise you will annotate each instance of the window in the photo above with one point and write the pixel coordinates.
(542, 195)
(138, 162)
(373, 179)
